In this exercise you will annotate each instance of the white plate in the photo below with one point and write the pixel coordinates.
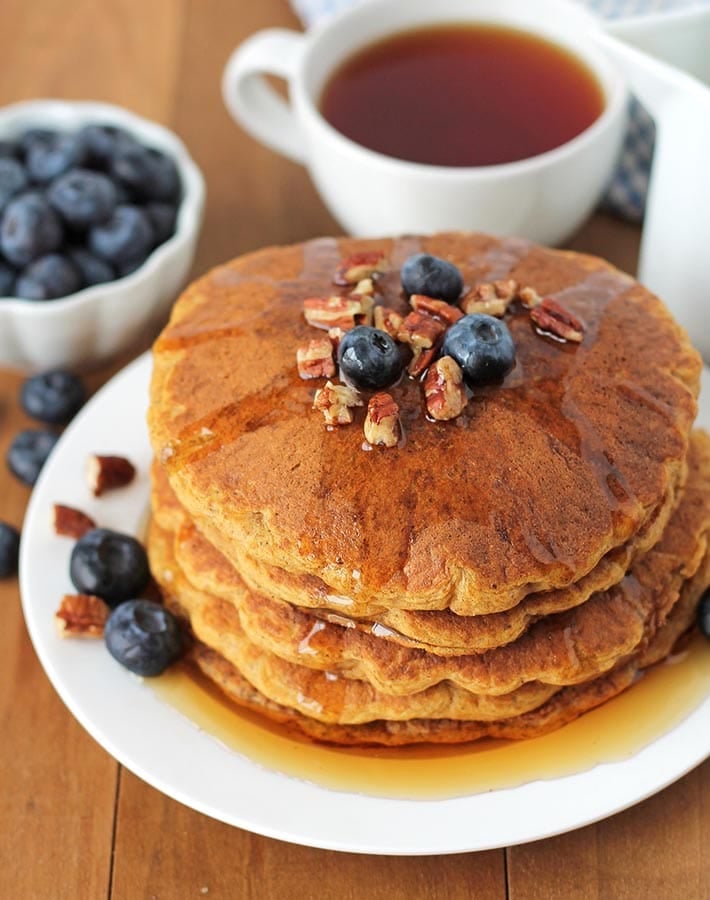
(164, 748)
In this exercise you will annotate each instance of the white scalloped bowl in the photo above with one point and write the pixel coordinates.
(100, 322)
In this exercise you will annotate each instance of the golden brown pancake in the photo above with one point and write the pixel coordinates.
(564, 706)
(562, 649)
(578, 451)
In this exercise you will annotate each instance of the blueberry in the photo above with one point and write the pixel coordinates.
(92, 269)
(54, 397)
(9, 550)
(83, 198)
(103, 142)
(126, 236)
(704, 614)
(150, 174)
(29, 229)
(47, 278)
(50, 158)
(129, 267)
(162, 217)
(9, 150)
(13, 179)
(28, 453)
(143, 636)
(431, 276)
(34, 136)
(110, 565)
(7, 280)
(369, 358)
(482, 346)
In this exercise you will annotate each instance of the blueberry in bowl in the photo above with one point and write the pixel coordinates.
(100, 211)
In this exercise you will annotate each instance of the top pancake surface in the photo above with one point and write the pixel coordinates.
(526, 490)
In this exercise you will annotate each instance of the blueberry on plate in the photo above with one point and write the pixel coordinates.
(93, 269)
(126, 236)
(7, 280)
(51, 157)
(482, 346)
(369, 358)
(162, 217)
(13, 179)
(110, 565)
(29, 229)
(9, 550)
(28, 453)
(83, 198)
(704, 614)
(48, 278)
(431, 276)
(149, 173)
(54, 397)
(143, 636)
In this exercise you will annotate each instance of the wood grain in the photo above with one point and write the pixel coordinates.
(73, 826)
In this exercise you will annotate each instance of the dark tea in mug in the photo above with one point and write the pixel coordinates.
(462, 95)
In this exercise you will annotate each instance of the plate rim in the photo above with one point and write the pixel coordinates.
(349, 822)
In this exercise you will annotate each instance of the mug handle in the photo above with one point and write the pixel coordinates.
(252, 102)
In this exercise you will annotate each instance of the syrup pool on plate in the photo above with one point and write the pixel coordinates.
(664, 696)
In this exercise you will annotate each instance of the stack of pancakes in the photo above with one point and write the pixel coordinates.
(495, 575)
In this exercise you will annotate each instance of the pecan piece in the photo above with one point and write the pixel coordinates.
(81, 615)
(388, 319)
(335, 336)
(558, 321)
(382, 421)
(359, 266)
(335, 402)
(491, 298)
(440, 309)
(70, 522)
(421, 360)
(423, 334)
(316, 359)
(104, 473)
(332, 312)
(420, 330)
(444, 389)
(529, 297)
(367, 304)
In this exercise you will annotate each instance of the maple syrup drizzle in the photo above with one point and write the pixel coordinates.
(657, 703)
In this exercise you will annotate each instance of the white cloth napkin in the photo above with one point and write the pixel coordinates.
(626, 195)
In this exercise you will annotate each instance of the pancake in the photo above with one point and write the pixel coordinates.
(563, 649)
(581, 449)
(563, 707)
(275, 623)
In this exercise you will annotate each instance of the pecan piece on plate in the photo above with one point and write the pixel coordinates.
(444, 389)
(382, 421)
(336, 401)
(359, 266)
(553, 318)
(70, 522)
(81, 615)
(104, 473)
(316, 359)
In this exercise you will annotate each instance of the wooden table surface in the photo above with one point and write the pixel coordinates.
(73, 823)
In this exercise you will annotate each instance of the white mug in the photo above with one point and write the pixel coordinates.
(544, 198)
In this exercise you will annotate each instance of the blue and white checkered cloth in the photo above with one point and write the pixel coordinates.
(626, 195)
